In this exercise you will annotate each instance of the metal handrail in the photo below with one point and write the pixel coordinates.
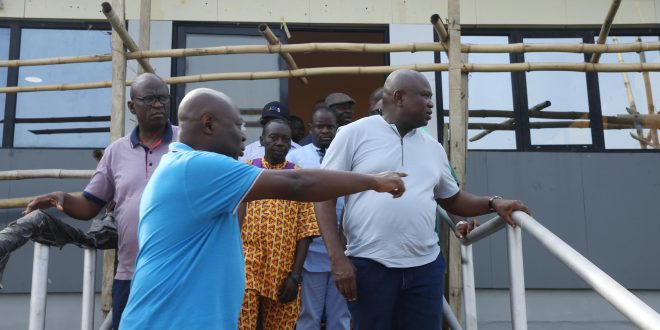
(619, 297)
(37, 320)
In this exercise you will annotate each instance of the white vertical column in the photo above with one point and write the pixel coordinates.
(89, 271)
(516, 278)
(39, 287)
(469, 294)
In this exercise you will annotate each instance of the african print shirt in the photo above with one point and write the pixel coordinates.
(271, 228)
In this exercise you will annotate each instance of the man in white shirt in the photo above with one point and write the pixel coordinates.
(270, 111)
(319, 292)
(394, 278)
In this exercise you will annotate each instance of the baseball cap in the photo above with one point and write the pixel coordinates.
(275, 109)
(338, 98)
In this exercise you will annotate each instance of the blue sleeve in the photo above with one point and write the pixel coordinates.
(219, 182)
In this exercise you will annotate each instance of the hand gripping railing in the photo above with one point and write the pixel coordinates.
(625, 302)
(39, 288)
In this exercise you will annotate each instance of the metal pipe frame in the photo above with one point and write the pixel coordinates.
(516, 279)
(484, 230)
(623, 300)
(469, 292)
(39, 287)
(89, 272)
(449, 316)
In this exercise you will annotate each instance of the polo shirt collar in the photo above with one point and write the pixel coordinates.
(167, 137)
(178, 146)
(396, 130)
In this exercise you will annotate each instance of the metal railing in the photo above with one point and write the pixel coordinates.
(39, 289)
(619, 297)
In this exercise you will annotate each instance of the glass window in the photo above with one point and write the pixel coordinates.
(249, 95)
(487, 92)
(622, 91)
(47, 107)
(4, 55)
(567, 92)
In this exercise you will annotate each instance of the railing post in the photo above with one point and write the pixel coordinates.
(448, 313)
(516, 279)
(469, 294)
(39, 287)
(89, 270)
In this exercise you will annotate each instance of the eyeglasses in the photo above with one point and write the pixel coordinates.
(151, 99)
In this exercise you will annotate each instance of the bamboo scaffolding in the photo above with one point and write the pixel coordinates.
(646, 121)
(547, 124)
(117, 126)
(273, 40)
(605, 29)
(653, 133)
(533, 110)
(457, 147)
(145, 29)
(21, 202)
(632, 109)
(118, 26)
(46, 173)
(440, 30)
(357, 70)
(343, 47)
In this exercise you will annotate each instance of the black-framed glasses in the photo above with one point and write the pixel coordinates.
(151, 99)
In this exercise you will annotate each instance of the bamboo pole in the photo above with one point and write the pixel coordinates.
(547, 124)
(49, 173)
(458, 148)
(117, 122)
(535, 109)
(440, 30)
(605, 29)
(21, 202)
(118, 26)
(632, 109)
(145, 29)
(357, 70)
(653, 133)
(343, 47)
(273, 40)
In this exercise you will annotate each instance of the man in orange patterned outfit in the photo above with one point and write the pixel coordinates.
(276, 235)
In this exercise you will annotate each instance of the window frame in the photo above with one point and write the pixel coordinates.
(15, 27)
(519, 86)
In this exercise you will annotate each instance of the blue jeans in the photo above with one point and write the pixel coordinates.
(120, 291)
(397, 298)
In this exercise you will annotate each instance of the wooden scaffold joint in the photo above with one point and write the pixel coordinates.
(273, 40)
(118, 27)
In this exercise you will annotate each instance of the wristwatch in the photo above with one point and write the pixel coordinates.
(490, 202)
(296, 277)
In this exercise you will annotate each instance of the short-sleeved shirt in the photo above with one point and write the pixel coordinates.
(270, 231)
(189, 271)
(256, 150)
(394, 232)
(121, 175)
(317, 259)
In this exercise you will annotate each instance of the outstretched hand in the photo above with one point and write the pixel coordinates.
(505, 207)
(390, 182)
(54, 199)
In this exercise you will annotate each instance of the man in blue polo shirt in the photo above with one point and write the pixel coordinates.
(121, 175)
(189, 270)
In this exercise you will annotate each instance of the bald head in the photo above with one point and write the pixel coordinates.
(210, 121)
(144, 80)
(407, 100)
(400, 79)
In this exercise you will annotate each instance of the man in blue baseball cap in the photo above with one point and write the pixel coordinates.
(270, 111)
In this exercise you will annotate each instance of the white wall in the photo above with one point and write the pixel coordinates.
(473, 12)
